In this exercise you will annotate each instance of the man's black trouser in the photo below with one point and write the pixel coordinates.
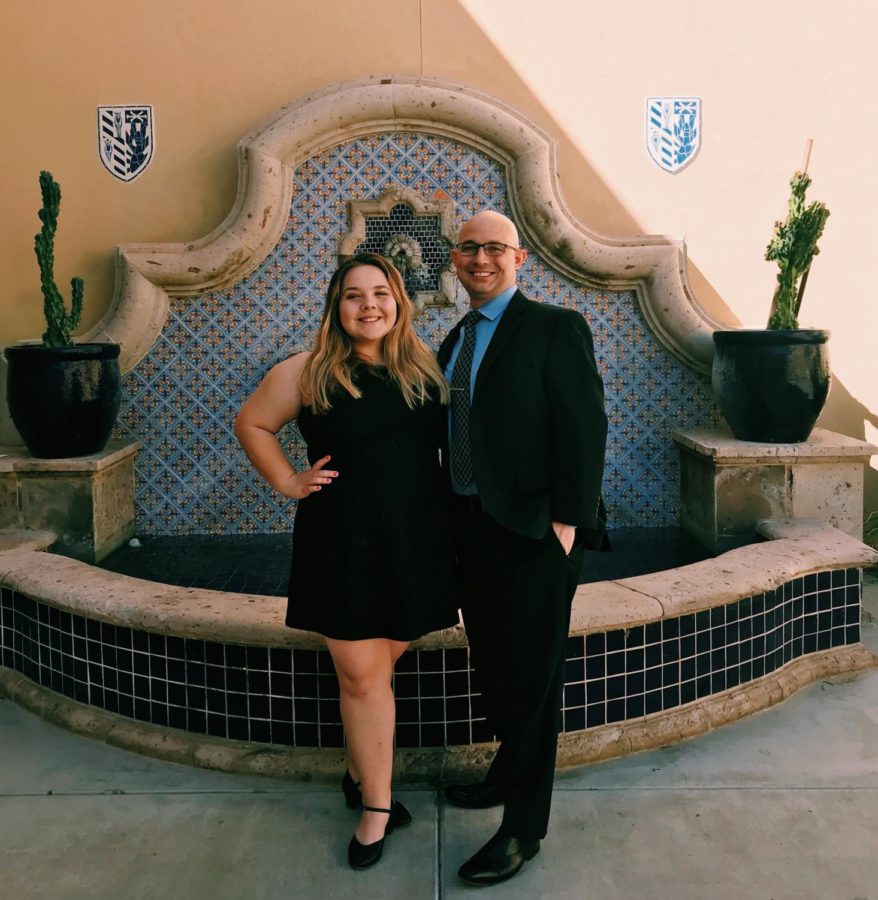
(515, 597)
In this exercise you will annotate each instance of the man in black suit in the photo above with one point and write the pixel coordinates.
(527, 433)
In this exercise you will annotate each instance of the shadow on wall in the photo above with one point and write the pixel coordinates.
(845, 414)
(600, 209)
(486, 69)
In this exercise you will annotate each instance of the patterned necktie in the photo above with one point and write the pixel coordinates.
(461, 457)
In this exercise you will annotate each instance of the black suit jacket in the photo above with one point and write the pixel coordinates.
(537, 423)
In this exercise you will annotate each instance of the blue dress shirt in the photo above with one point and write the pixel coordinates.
(491, 312)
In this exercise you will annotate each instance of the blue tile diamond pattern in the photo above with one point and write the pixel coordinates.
(180, 401)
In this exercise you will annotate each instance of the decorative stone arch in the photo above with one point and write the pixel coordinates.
(654, 266)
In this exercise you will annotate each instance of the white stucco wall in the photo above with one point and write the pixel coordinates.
(770, 74)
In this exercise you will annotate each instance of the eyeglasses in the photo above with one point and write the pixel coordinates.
(491, 248)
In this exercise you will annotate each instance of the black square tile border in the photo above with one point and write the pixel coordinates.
(290, 696)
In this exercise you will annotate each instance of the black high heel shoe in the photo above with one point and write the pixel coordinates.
(361, 856)
(351, 789)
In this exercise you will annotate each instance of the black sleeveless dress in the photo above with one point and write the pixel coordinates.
(372, 554)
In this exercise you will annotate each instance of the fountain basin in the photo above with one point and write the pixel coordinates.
(216, 679)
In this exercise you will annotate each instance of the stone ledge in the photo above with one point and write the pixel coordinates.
(821, 446)
(87, 501)
(607, 742)
(17, 459)
(792, 529)
(418, 765)
(21, 539)
(609, 605)
(747, 571)
(251, 619)
(727, 484)
(601, 606)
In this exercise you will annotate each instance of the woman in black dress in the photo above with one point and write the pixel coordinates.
(372, 559)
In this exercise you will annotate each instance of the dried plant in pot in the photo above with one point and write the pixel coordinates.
(63, 397)
(771, 384)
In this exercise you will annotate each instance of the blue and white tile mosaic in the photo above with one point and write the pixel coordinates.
(181, 399)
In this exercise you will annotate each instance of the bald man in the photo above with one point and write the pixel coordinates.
(527, 431)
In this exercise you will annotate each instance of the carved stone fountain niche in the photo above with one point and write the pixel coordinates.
(416, 233)
(200, 323)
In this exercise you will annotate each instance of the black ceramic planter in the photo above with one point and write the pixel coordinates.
(771, 385)
(64, 400)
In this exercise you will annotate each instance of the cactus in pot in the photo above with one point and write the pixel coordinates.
(771, 383)
(60, 324)
(63, 397)
(793, 247)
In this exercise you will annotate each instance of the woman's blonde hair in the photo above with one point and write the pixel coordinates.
(410, 363)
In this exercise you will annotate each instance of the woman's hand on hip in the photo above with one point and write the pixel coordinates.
(302, 484)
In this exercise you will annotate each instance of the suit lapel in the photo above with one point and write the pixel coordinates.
(510, 322)
(447, 345)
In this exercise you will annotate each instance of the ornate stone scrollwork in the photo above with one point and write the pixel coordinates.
(416, 234)
(653, 265)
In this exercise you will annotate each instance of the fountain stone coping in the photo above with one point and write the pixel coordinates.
(794, 548)
(820, 447)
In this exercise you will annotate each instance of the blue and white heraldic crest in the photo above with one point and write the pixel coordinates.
(673, 131)
(126, 137)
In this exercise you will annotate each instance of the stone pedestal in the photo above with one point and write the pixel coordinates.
(726, 485)
(87, 502)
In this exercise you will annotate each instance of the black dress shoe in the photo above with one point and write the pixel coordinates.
(501, 858)
(362, 856)
(480, 795)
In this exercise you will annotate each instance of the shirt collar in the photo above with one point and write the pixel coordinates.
(496, 306)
